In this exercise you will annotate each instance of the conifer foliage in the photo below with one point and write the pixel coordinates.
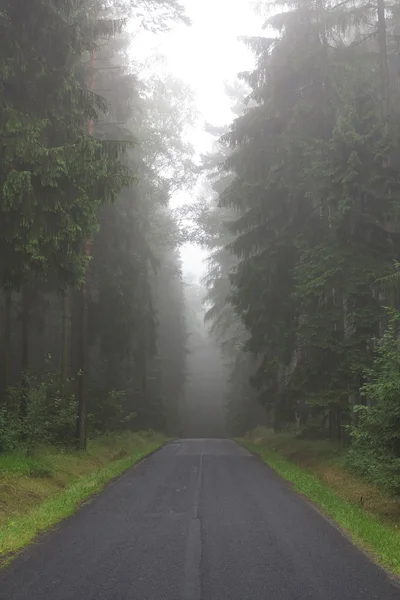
(80, 197)
(315, 196)
(54, 175)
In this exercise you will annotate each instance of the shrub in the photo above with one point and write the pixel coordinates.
(111, 412)
(375, 451)
(49, 415)
(10, 430)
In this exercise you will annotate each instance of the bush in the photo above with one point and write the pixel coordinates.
(10, 430)
(111, 412)
(48, 417)
(375, 451)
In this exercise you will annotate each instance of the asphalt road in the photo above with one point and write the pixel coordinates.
(198, 520)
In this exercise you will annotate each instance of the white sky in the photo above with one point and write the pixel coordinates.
(205, 55)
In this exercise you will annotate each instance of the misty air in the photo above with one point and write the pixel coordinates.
(199, 300)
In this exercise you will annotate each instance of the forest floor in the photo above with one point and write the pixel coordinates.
(37, 492)
(317, 469)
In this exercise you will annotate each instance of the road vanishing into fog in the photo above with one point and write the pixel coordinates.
(198, 520)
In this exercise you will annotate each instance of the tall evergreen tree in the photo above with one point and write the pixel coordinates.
(85, 184)
(315, 181)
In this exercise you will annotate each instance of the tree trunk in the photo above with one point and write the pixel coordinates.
(83, 364)
(144, 373)
(82, 405)
(25, 331)
(81, 429)
(336, 411)
(7, 339)
(333, 423)
(65, 335)
(25, 318)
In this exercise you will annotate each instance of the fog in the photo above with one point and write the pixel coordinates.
(206, 69)
(199, 225)
(206, 386)
(199, 257)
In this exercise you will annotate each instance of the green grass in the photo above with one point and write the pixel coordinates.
(379, 539)
(19, 464)
(36, 493)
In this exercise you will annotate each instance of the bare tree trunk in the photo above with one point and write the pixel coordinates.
(81, 425)
(331, 423)
(7, 340)
(25, 331)
(336, 412)
(83, 366)
(144, 373)
(65, 335)
(25, 319)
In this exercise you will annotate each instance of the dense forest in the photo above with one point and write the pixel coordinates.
(299, 213)
(301, 218)
(199, 299)
(93, 333)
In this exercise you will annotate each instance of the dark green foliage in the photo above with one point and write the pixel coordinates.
(49, 417)
(137, 327)
(86, 173)
(111, 413)
(53, 175)
(314, 189)
(375, 450)
(10, 429)
(309, 174)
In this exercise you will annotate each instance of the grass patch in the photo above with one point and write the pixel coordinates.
(38, 492)
(325, 482)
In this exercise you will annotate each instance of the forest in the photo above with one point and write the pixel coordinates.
(302, 224)
(92, 146)
(298, 212)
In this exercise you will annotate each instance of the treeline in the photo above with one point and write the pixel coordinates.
(93, 335)
(304, 230)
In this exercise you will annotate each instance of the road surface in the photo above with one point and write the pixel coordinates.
(198, 520)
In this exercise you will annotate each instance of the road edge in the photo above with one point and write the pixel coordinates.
(117, 470)
(361, 543)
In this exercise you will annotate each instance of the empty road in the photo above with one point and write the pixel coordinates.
(198, 520)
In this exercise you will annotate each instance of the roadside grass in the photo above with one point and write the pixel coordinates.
(37, 492)
(370, 518)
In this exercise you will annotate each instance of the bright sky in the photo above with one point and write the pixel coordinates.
(206, 55)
